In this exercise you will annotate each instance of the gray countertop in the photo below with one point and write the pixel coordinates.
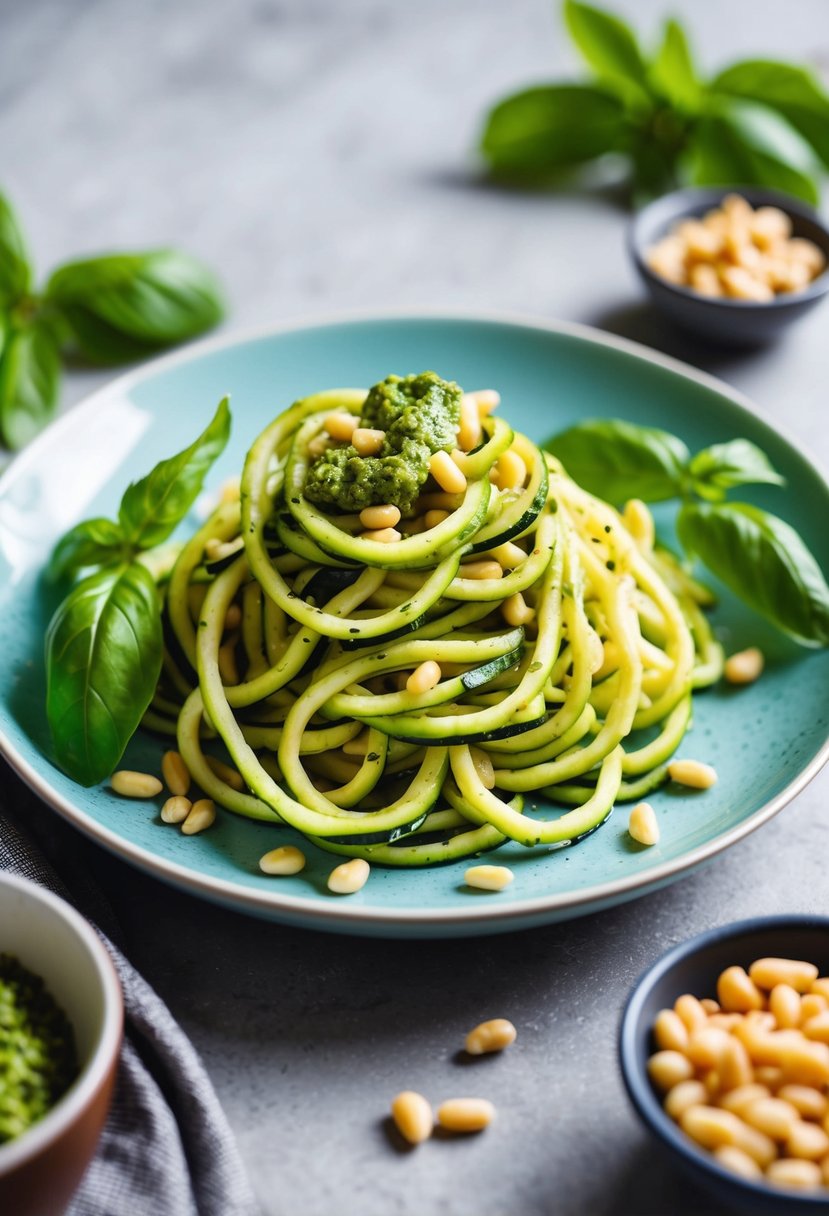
(318, 154)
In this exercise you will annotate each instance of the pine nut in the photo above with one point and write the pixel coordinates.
(233, 618)
(175, 773)
(384, 536)
(481, 570)
(483, 767)
(821, 986)
(769, 1076)
(784, 1003)
(740, 284)
(809, 1102)
(693, 773)
(768, 225)
(710, 1005)
(412, 1116)
(490, 1036)
(135, 785)
(811, 1004)
(792, 1172)
(736, 992)
(225, 773)
(486, 399)
(737, 1100)
(804, 1063)
(725, 1021)
(341, 426)
(176, 809)
(465, 1114)
(469, 428)
(488, 878)
(446, 473)
(667, 259)
(768, 972)
(516, 611)
(435, 517)
(368, 441)
(807, 252)
(711, 1081)
(318, 446)
(710, 1126)
(386, 516)
(669, 1031)
(201, 817)
(744, 667)
(667, 1068)
(706, 1045)
(283, 861)
(807, 1140)
(643, 825)
(639, 522)
(510, 471)
(350, 877)
(705, 280)
(508, 555)
(738, 1162)
(687, 1093)
(760, 1147)
(424, 678)
(735, 1066)
(691, 1011)
(817, 1028)
(772, 1116)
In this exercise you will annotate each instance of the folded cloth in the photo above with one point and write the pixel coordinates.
(166, 1148)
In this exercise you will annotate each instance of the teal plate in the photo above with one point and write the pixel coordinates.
(766, 741)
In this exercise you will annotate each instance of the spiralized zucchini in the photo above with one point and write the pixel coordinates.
(290, 638)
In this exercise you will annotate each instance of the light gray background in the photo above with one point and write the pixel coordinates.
(318, 154)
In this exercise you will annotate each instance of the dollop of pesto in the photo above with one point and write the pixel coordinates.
(419, 415)
(37, 1049)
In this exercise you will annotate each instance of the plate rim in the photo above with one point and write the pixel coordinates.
(321, 914)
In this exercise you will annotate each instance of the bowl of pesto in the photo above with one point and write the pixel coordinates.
(61, 1019)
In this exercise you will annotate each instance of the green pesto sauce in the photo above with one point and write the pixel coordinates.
(419, 415)
(37, 1049)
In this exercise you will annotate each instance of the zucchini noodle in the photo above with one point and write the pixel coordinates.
(289, 639)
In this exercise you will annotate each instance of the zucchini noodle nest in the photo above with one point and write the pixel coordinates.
(568, 648)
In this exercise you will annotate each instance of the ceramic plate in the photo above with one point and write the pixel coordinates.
(765, 741)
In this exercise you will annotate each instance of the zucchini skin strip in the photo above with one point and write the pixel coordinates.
(584, 701)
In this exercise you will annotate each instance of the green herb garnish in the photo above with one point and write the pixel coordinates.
(107, 310)
(104, 643)
(760, 557)
(759, 122)
(37, 1049)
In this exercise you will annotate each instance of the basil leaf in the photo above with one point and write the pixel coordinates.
(103, 659)
(672, 72)
(741, 141)
(29, 382)
(609, 47)
(618, 460)
(15, 269)
(764, 562)
(725, 465)
(95, 542)
(123, 305)
(794, 92)
(551, 127)
(151, 507)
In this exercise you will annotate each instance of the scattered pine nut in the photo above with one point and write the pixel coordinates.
(643, 825)
(469, 427)
(175, 773)
(384, 536)
(488, 878)
(510, 471)
(412, 1116)
(176, 809)
(737, 992)
(350, 877)
(385, 516)
(446, 473)
(791, 1172)
(318, 446)
(135, 785)
(424, 678)
(202, 816)
(435, 517)
(516, 611)
(744, 667)
(483, 767)
(368, 441)
(481, 570)
(494, 1035)
(768, 972)
(225, 773)
(341, 426)
(285, 860)
(693, 773)
(465, 1114)
(486, 399)
(738, 1162)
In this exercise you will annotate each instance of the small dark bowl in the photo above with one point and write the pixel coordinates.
(725, 321)
(693, 967)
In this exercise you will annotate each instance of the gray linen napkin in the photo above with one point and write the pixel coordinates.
(166, 1149)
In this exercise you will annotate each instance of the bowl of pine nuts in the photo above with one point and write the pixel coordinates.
(736, 266)
(724, 1052)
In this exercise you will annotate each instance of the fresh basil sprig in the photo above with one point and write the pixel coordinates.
(111, 309)
(104, 643)
(759, 122)
(758, 556)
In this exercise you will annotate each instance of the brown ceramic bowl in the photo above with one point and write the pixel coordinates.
(41, 1169)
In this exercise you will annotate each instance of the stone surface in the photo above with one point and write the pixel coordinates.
(318, 154)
